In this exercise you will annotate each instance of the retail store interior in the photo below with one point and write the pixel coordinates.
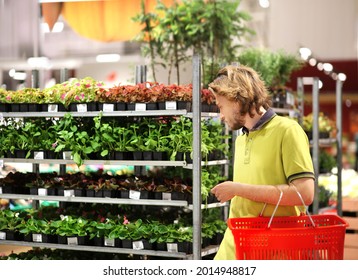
(56, 43)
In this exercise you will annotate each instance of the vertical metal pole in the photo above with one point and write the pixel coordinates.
(35, 78)
(196, 157)
(300, 95)
(63, 78)
(140, 74)
(315, 140)
(63, 75)
(140, 77)
(35, 83)
(339, 144)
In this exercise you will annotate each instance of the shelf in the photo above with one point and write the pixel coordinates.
(115, 162)
(94, 114)
(105, 200)
(211, 205)
(212, 249)
(95, 249)
(98, 162)
(209, 163)
(325, 142)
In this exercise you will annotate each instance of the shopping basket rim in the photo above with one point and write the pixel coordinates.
(246, 221)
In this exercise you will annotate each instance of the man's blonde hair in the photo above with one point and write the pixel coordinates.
(242, 84)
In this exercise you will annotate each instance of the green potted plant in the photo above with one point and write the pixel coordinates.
(275, 68)
(172, 34)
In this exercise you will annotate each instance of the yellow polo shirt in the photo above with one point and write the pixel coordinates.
(275, 151)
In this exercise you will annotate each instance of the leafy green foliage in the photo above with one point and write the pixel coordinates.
(173, 34)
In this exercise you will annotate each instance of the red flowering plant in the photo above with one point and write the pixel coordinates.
(207, 97)
(177, 92)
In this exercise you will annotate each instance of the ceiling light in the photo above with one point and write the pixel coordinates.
(20, 76)
(58, 27)
(305, 53)
(264, 3)
(327, 67)
(12, 72)
(312, 61)
(320, 66)
(342, 77)
(320, 84)
(113, 57)
(45, 28)
(39, 62)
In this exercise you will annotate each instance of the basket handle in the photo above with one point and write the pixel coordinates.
(278, 203)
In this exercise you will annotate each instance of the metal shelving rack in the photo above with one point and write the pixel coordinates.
(316, 142)
(196, 207)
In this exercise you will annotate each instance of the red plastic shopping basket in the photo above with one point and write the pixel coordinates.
(289, 238)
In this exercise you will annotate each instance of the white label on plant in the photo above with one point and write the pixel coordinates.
(134, 194)
(140, 107)
(0, 190)
(1, 116)
(1, 163)
(82, 108)
(39, 155)
(172, 247)
(170, 105)
(108, 107)
(72, 241)
(167, 196)
(52, 108)
(37, 237)
(67, 155)
(42, 191)
(69, 193)
(138, 245)
(2, 235)
(109, 242)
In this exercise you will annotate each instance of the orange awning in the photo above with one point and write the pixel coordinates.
(106, 20)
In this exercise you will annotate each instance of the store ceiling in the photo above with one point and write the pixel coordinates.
(22, 38)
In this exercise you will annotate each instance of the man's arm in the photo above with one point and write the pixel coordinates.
(268, 193)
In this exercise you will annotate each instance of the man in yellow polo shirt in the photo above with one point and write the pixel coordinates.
(271, 154)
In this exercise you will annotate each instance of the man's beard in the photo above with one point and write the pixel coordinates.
(238, 122)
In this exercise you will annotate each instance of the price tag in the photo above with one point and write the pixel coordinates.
(170, 105)
(39, 155)
(134, 194)
(109, 242)
(1, 163)
(1, 116)
(140, 107)
(138, 245)
(82, 108)
(167, 196)
(72, 241)
(52, 108)
(69, 193)
(2, 235)
(172, 247)
(42, 191)
(67, 155)
(0, 190)
(290, 99)
(37, 237)
(108, 107)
